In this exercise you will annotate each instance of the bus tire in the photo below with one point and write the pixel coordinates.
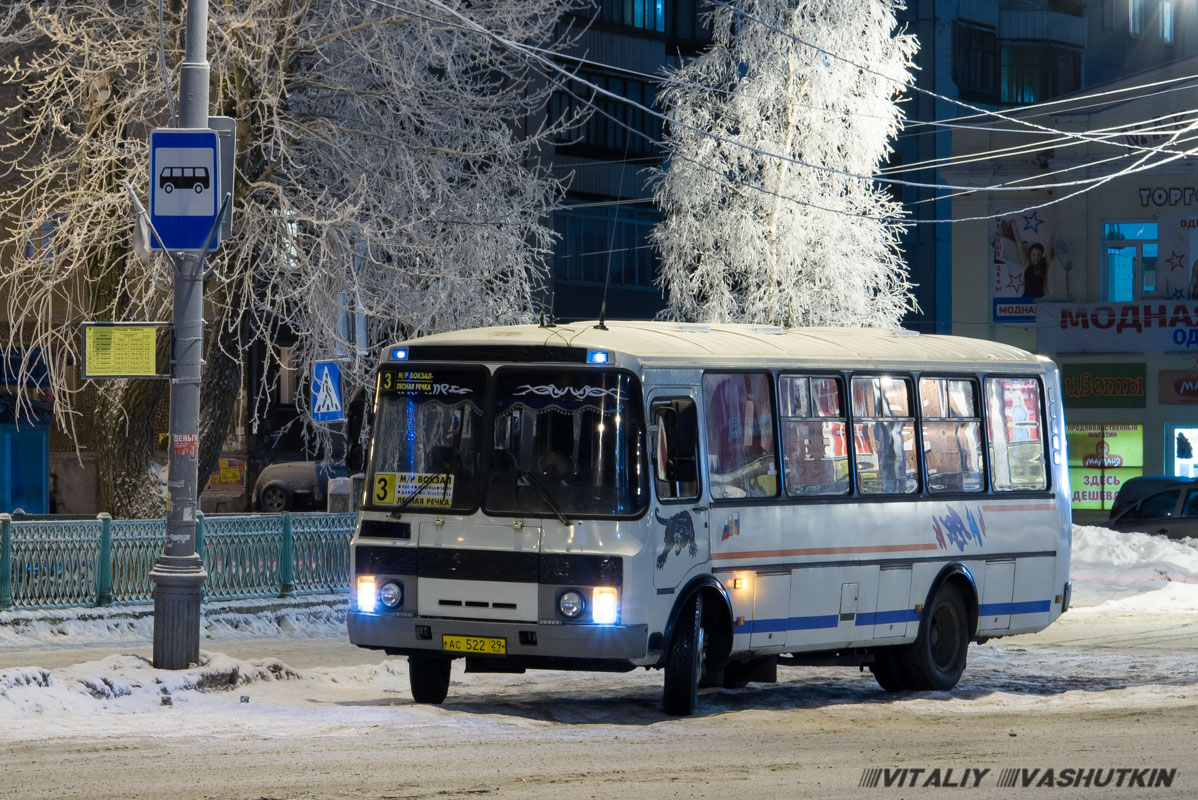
(429, 678)
(887, 669)
(937, 659)
(684, 660)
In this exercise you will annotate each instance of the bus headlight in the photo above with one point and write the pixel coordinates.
(571, 604)
(605, 605)
(367, 595)
(391, 594)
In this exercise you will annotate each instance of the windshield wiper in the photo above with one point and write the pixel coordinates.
(545, 495)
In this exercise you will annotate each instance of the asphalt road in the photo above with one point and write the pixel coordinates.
(1117, 694)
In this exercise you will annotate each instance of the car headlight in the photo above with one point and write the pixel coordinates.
(605, 605)
(367, 596)
(391, 594)
(571, 604)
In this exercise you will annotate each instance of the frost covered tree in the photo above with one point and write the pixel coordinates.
(382, 166)
(762, 219)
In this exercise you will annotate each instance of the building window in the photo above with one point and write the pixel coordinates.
(1135, 17)
(1130, 253)
(975, 62)
(593, 243)
(610, 126)
(1166, 20)
(649, 15)
(1034, 73)
(687, 25)
(39, 247)
(1108, 15)
(288, 377)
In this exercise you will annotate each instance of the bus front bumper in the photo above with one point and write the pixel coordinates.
(529, 644)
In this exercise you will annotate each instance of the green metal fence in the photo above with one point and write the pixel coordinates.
(102, 561)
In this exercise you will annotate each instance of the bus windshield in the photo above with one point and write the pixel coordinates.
(427, 432)
(567, 442)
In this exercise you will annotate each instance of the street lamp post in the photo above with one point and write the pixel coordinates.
(178, 574)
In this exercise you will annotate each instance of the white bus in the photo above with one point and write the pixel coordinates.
(710, 500)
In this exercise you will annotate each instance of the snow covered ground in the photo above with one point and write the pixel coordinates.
(1130, 589)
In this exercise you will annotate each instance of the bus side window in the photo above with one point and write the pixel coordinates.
(1015, 432)
(814, 440)
(952, 435)
(676, 449)
(884, 435)
(740, 435)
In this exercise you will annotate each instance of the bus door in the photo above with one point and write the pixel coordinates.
(679, 539)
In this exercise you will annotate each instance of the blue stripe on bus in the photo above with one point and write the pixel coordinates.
(1028, 607)
(887, 617)
(795, 624)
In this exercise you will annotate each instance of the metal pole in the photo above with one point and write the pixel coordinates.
(5, 561)
(104, 569)
(178, 574)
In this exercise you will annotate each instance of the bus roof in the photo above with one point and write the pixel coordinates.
(685, 344)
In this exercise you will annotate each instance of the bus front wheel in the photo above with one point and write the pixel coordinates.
(684, 660)
(937, 659)
(429, 678)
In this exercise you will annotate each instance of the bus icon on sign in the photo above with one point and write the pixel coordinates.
(183, 178)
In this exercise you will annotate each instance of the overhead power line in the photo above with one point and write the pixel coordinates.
(532, 53)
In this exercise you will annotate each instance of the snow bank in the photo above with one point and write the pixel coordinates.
(1107, 565)
(129, 678)
(314, 616)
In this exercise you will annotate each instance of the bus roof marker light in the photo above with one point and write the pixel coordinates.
(400, 354)
(598, 357)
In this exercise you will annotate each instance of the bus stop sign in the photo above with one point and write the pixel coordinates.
(184, 187)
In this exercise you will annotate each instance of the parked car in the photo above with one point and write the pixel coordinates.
(1159, 504)
(292, 485)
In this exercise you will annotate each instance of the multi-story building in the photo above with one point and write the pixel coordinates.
(1095, 263)
(603, 249)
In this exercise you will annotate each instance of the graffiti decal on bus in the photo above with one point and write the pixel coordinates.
(955, 530)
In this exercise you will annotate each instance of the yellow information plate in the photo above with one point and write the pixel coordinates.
(474, 644)
(417, 489)
(120, 350)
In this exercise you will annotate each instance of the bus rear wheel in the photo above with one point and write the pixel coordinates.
(429, 678)
(937, 658)
(684, 661)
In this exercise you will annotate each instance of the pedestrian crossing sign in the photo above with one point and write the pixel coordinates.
(326, 392)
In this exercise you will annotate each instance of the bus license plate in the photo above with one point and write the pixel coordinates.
(474, 644)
